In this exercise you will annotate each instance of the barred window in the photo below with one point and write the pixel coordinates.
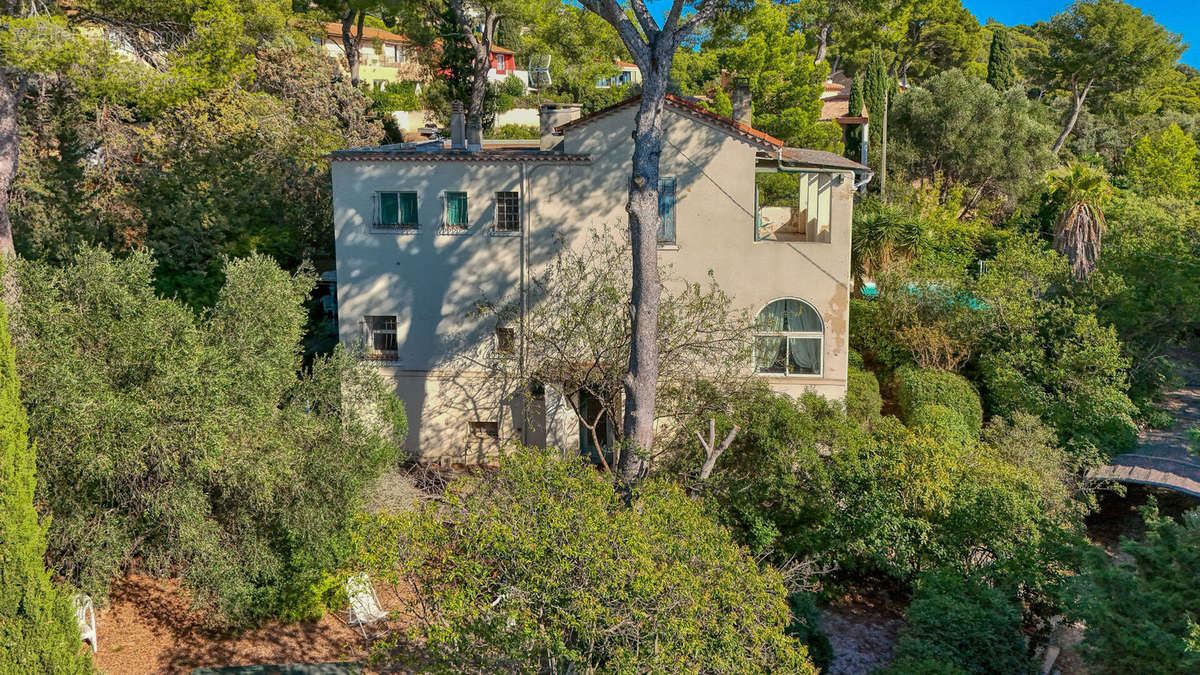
(380, 337)
(508, 212)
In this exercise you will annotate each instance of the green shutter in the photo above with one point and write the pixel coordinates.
(666, 211)
(408, 208)
(389, 208)
(456, 209)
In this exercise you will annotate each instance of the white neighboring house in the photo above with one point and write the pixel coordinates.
(630, 74)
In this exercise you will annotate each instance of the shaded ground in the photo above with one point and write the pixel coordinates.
(863, 634)
(1162, 456)
(150, 628)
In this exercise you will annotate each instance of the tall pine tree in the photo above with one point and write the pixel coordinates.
(1002, 63)
(37, 627)
(856, 96)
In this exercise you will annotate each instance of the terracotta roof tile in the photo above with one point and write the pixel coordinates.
(335, 30)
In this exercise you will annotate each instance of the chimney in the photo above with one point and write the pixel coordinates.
(742, 100)
(474, 134)
(553, 115)
(458, 127)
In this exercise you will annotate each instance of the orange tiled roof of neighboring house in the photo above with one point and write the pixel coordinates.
(626, 64)
(496, 49)
(729, 124)
(335, 30)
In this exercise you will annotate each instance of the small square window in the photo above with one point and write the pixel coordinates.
(485, 429)
(455, 217)
(380, 337)
(506, 340)
(396, 211)
(508, 212)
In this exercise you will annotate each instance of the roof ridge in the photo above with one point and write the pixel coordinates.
(699, 111)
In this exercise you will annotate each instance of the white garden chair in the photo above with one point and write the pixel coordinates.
(85, 616)
(364, 604)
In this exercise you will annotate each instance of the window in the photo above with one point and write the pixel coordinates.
(397, 210)
(506, 340)
(380, 337)
(788, 339)
(794, 206)
(455, 215)
(666, 211)
(484, 429)
(508, 212)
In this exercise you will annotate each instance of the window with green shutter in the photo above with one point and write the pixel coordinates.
(456, 211)
(396, 210)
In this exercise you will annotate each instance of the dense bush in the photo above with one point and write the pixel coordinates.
(543, 567)
(1165, 164)
(806, 627)
(395, 96)
(964, 623)
(37, 626)
(917, 387)
(515, 132)
(942, 423)
(195, 444)
(1140, 609)
(863, 401)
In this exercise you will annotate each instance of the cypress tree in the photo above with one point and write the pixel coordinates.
(37, 625)
(856, 96)
(876, 84)
(1002, 63)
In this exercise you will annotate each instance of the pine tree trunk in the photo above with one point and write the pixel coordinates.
(641, 379)
(351, 42)
(1077, 101)
(823, 41)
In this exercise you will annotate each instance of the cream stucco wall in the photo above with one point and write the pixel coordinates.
(431, 280)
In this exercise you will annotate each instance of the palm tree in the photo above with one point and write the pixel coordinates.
(1081, 190)
(882, 234)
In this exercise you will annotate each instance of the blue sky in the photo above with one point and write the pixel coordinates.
(1181, 17)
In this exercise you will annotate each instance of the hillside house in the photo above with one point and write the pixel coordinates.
(425, 231)
(629, 74)
(384, 57)
(503, 64)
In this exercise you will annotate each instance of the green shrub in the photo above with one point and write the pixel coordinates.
(530, 569)
(916, 387)
(197, 445)
(515, 132)
(395, 96)
(806, 627)
(863, 401)
(871, 335)
(855, 360)
(946, 425)
(1141, 607)
(37, 626)
(963, 622)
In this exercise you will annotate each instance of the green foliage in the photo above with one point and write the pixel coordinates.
(188, 442)
(784, 80)
(863, 402)
(919, 387)
(993, 142)
(883, 234)
(1140, 608)
(942, 423)
(515, 131)
(1002, 62)
(963, 622)
(395, 96)
(858, 101)
(1068, 370)
(878, 85)
(507, 592)
(37, 625)
(1165, 164)
(806, 627)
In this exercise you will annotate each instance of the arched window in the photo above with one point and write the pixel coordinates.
(789, 339)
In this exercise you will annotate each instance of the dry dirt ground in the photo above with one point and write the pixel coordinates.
(149, 627)
(863, 634)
